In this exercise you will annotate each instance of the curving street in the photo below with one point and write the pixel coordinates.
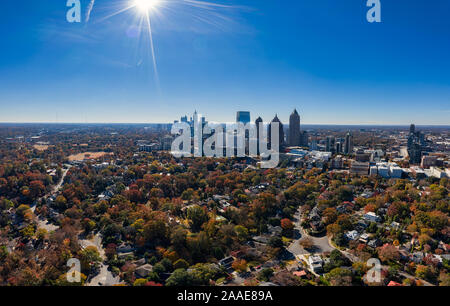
(104, 277)
(321, 244)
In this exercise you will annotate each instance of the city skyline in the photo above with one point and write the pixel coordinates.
(257, 56)
(214, 151)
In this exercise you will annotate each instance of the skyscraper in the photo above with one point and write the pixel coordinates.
(415, 142)
(243, 117)
(338, 147)
(258, 122)
(304, 139)
(330, 144)
(280, 131)
(348, 143)
(294, 129)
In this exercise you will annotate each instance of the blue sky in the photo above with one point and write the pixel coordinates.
(266, 56)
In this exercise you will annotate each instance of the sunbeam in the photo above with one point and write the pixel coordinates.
(146, 5)
(205, 12)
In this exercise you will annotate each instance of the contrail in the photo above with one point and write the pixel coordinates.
(89, 10)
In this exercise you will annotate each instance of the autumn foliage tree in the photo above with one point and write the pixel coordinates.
(306, 243)
(388, 253)
(239, 265)
(287, 226)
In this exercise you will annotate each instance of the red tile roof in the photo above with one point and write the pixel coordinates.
(299, 273)
(394, 284)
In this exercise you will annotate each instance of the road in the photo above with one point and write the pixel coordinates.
(321, 244)
(58, 186)
(43, 223)
(104, 277)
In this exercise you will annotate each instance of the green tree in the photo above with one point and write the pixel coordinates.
(181, 264)
(168, 266)
(61, 202)
(197, 216)
(180, 277)
(339, 277)
(159, 268)
(241, 232)
(265, 274)
(187, 194)
(22, 209)
(28, 231)
(201, 274)
(178, 238)
(276, 242)
(89, 258)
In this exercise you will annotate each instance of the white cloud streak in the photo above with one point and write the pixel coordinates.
(89, 10)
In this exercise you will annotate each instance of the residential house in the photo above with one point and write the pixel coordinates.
(144, 270)
(374, 243)
(315, 263)
(226, 262)
(395, 225)
(352, 235)
(364, 238)
(274, 230)
(417, 257)
(372, 217)
(261, 239)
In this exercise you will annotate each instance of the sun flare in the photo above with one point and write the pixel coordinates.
(146, 5)
(146, 11)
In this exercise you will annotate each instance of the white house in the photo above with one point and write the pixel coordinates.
(316, 263)
(352, 235)
(372, 217)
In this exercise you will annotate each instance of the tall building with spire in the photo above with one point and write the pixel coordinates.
(294, 129)
(280, 131)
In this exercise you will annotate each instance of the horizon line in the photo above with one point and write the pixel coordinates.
(166, 123)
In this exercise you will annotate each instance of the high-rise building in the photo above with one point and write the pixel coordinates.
(294, 129)
(415, 142)
(330, 144)
(338, 147)
(304, 139)
(280, 131)
(314, 144)
(258, 122)
(243, 117)
(348, 149)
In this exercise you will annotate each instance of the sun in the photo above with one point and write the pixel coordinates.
(146, 5)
